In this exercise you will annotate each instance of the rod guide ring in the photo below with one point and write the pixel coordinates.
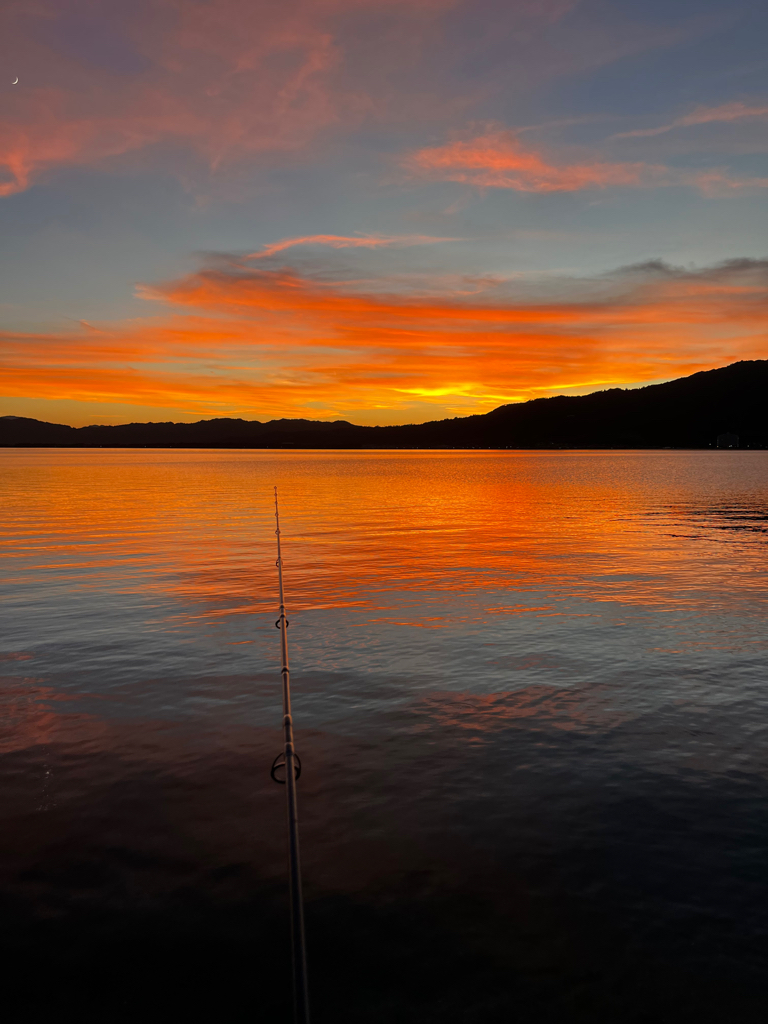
(279, 763)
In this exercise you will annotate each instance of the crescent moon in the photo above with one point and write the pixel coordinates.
(16, 81)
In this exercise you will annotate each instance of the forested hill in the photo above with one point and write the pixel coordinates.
(690, 412)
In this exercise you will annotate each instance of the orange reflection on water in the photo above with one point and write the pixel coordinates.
(359, 526)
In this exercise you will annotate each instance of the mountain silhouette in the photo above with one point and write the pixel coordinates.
(691, 412)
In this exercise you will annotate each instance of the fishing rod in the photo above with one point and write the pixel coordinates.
(289, 760)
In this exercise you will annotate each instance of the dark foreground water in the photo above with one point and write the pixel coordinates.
(530, 692)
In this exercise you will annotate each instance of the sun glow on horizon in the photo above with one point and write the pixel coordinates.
(270, 344)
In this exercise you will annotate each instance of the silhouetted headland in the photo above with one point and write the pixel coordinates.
(700, 411)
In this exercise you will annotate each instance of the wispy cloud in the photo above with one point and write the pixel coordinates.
(701, 115)
(348, 242)
(499, 160)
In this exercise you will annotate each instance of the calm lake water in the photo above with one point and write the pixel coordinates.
(530, 695)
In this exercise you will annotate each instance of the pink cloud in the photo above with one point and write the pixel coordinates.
(498, 160)
(47, 131)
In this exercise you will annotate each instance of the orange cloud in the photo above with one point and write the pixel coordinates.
(499, 160)
(263, 343)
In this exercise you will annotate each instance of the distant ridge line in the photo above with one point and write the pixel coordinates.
(689, 412)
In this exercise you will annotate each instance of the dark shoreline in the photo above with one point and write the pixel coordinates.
(723, 408)
(390, 448)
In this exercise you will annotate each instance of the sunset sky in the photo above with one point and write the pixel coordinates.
(374, 210)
